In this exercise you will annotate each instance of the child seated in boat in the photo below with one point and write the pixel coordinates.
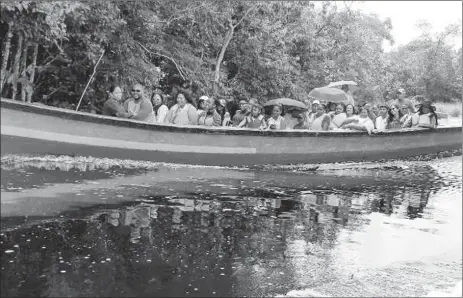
(255, 119)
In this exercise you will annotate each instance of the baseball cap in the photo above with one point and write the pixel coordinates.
(204, 97)
(401, 90)
(316, 102)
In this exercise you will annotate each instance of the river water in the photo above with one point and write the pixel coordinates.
(86, 227)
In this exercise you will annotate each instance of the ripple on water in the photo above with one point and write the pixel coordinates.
(358, 230)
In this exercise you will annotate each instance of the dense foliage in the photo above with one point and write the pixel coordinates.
(226, 48)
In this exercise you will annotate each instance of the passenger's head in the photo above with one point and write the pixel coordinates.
(243, 104)
(115, 92)
(276, 111)
(220, 104)
(375, 109)
(349, 110)
(211, 104)
(181, 100)
(345, 87)
(331, 107)
(401, 93)
(339, 108)
(395, 110)
(425, 107)
(202, 101)
(137, 91)
(383, 110)
(363, 112)
(321, 108)
(300, 118)
(256, 110)
(315, 105)
(294, 112)
(405, 109)
(157, 99)
(356, 109)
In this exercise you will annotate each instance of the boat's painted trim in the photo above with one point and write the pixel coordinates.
(93, 118)
(104, 142)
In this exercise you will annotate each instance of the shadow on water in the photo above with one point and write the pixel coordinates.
(202, 232)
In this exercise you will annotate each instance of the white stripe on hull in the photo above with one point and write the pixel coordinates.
(102, 142)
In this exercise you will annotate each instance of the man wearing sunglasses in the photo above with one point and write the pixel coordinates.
(138, 107)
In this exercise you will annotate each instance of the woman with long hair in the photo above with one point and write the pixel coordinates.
(182, 113)
(427, 115)
(160, 110)
(393, 120)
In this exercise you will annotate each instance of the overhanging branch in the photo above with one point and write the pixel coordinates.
(165, 56)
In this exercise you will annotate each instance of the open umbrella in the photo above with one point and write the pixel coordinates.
(286, 102)
(329, 94)
(352, 85)
(340, 83)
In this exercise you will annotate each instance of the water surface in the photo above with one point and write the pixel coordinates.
(95, 229)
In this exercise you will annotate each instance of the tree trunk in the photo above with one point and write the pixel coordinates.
(17, 62)
(22, 72)
(228, 38)
(32, 74)
(6, 55)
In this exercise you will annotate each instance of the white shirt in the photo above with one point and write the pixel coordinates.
(277, 122)
(381, 123)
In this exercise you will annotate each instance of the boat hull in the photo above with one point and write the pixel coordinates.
(30, 129)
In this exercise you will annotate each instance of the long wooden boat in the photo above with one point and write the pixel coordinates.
(39, 129)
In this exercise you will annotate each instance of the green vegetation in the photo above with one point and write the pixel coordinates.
(226, 48)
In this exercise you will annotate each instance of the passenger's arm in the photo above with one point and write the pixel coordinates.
(326, 123)
(162, 113)
(168, 118)
(243, 122)
(192, 115)
(146, 108)
(349, 121)
(430, 125)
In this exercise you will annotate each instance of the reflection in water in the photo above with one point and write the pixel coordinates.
(252, 240)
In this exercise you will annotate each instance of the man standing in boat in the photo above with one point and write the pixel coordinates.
(138, 107)
(401, 100)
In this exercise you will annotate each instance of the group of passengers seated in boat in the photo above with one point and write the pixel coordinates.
(320, 116)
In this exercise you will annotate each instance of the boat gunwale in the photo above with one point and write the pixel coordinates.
(101, 119)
